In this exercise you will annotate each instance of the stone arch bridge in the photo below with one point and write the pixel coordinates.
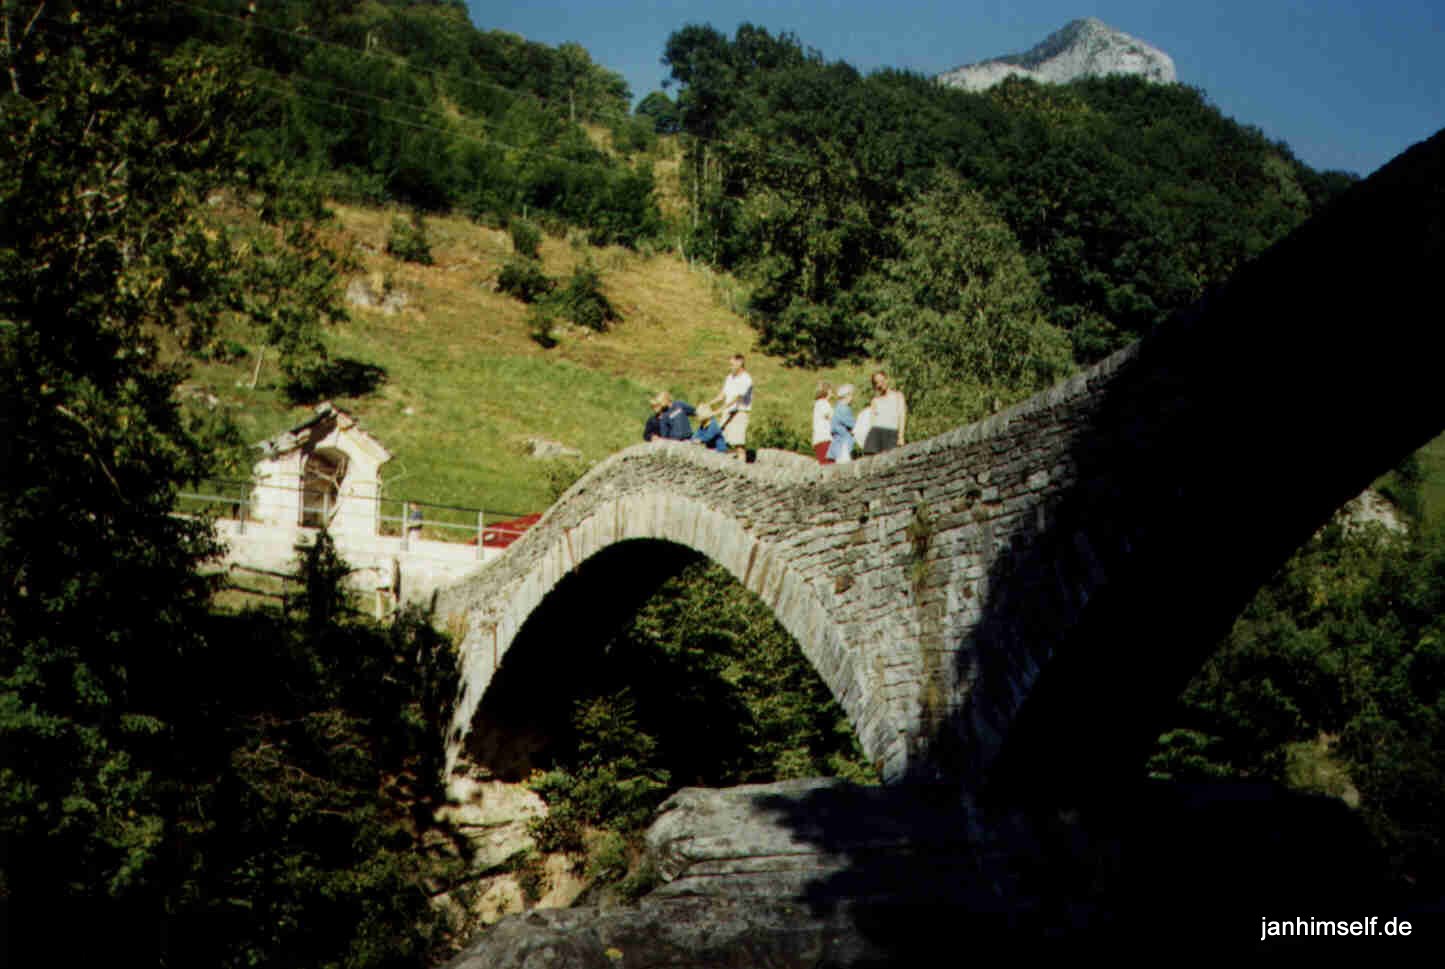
(1018, 600)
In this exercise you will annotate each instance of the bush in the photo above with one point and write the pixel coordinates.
(639, 881)
(523, 278)
(633, 135)
(531, 877)
(583, 301)
(617, 785)
(541, 321)
(526, 238)
(607, 856)
(561, 474)
(408, 240)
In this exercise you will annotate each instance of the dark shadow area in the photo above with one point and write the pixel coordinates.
(337, 377)
(299, 742)
(1228, 440)
(524, 721)
(673, 652)
(1168, 867)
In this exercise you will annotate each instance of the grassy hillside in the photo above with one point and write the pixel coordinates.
(463, 387)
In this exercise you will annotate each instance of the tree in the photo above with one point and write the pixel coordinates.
(1333, 680)
(101, 178)
(958, 318)
(662, 111)
(111, 141)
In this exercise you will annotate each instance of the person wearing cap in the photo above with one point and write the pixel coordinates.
(709, 432)
(840, 451)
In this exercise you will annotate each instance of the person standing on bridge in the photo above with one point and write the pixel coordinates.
(840, 451)
(736, 401)
(822, 421)
(888, 417)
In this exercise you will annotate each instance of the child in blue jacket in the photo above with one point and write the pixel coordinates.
(709, 433)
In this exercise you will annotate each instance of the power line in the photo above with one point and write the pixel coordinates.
(251, 23)
(770, 153)
(450, 133)
(454, 133)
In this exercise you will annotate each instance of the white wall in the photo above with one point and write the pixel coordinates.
(425, 565)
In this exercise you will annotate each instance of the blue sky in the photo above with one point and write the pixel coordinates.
(1347, 84)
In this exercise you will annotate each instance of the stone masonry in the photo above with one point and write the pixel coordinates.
(1020, 597)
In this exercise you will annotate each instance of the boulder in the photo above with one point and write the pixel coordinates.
(376, 293)
(540, 447)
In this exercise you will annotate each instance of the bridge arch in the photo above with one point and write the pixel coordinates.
(570, 539)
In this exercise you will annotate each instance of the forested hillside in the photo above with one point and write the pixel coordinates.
(396, 101)
(873, 213)
(186, 188)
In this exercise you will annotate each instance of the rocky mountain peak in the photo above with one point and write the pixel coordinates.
(1082, 48)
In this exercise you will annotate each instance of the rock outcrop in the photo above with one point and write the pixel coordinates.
(1084, 48)
(819, 873)
(795, 874)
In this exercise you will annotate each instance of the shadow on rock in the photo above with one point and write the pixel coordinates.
(821, 873)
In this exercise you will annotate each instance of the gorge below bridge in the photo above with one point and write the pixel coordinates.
(1017, 602)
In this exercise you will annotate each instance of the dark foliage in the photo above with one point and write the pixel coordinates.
(408, 103)
(313, 765)
(337, 377)
(583, 302)
(408, 240)
(1333, 680)
(526, 238)
(524, 278)
(662, 112)
(192, 791)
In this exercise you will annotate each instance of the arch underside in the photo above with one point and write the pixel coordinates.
(685, 523)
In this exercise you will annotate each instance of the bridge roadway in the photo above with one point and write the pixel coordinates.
(1017, 601)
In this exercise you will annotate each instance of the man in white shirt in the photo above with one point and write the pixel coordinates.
(889, 424)
(736, 401)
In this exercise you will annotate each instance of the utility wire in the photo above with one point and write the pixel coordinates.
(455, 133)
(769, 153)
(253, 24)
(296, 82)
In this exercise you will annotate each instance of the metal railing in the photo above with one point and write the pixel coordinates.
(240, 501)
